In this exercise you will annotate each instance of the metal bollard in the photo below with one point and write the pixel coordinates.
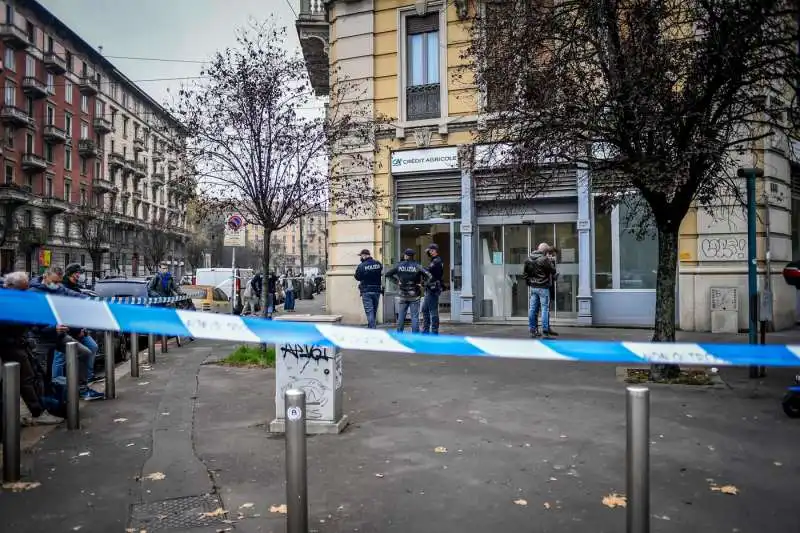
(151, 348)
(73, 387)
(134, 355)
(111, 385)
(11, 431)
(296, 467)
(164, 344)
(638, 459)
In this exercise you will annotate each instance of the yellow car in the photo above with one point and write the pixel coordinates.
(207, 298)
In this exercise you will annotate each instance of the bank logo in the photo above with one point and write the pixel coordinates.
(396, 162)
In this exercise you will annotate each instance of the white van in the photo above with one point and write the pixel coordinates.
(222, 278)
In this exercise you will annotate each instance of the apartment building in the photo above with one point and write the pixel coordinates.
(78, 134)
(288, 242)
(405, 58)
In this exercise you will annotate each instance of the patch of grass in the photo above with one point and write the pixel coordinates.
(251, 356)
(686, 377)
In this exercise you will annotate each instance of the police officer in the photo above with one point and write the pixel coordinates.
(430, 305)
(370, 279)
(410, 276)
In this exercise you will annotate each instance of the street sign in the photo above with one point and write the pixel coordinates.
(234, 231)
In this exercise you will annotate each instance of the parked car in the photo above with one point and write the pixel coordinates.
(122, 287)
(207, 298)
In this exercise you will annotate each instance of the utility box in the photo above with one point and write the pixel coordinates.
(724, 310)
(317, 370)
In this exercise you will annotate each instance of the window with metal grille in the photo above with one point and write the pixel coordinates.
(423, 87)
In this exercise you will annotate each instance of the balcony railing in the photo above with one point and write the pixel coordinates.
(313, 31)
(34, 87)
(33, 236)
(116, 160)
(103, 185)
(158, 154)
(11, 193)
(14, 116)
(55, 63)
(138, 145)
(315, 8)
(102, 125)
(423, 102)
(55, 134)
(88, 85)
(33, 162)
(157, 178)
(13, 36)
(87, 148)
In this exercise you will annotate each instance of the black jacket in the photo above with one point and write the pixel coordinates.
(258, 285)
(157, 287)
(48, 334)
(369, 275)
(410, 276)
(539, 271)
(436, 268)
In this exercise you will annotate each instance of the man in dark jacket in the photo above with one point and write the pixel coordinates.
(538, 273)
(409, 276)
(14, 348)
(369, 275)
(162, 284)
(272, 293)
(53, 340)
(73, 278)
(430, 305)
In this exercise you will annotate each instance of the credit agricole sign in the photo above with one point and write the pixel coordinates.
(428, 160)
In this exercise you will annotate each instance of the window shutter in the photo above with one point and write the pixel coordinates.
(425, 24)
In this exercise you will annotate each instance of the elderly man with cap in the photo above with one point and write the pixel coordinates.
(410, 276)
(430, 305)
(369, 275)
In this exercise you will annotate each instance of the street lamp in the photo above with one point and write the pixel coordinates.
(750, 175)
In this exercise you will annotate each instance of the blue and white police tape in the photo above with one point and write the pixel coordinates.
(42, 309)
(133, 300)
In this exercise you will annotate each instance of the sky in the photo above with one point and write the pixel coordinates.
(187, 30)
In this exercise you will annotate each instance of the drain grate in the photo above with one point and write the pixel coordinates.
(176, 513)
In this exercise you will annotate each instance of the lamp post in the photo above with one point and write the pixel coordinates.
(750, 175)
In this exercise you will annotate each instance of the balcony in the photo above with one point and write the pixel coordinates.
(13, 194)
(102, 125)
(130, 164)
(88, 85)
(423, 102)
(138, 145)
(158, 155)
(313, 31)
(140, 169)
(14, 116)
(137, 195)
(33, 163)
(54, 134)
(33, 236)
(87, 148)
(116, 160)
(14, 37)
(34, 87)
(103, 185)
(52, 205)
(55, 63)
(172, 164)
(157, 178)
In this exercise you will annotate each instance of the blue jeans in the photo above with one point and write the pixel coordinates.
(430, 312)
(540, 296)
(87, 353)
(405, 306)
(371, 300)
(288, 305)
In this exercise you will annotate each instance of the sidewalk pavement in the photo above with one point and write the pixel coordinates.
(435, 445)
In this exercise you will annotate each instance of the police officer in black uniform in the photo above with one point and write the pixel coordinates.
(434, 288)
(370, 280)
(410, 277)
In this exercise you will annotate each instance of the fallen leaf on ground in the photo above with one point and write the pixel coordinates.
(615, 500)
(280, 509)
(155, 476)
(662, 517)
(553, 479)
(726, 489)
(219, 511)
(247, 505)
(562, 436)
(130, 444)
(546, 505)
(440, 449)
(165, 414)
(776, 463)
(120, 420)
(21, 486)
(84, 454)
(521, 502)
(378, 475)
(144, 383)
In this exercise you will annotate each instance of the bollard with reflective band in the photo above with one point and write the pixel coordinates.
(134, 355)
(151, 348)
(296, 467)
(73, 387)
(164, 344)
(638, 459)
(11, 431)
(111, 386)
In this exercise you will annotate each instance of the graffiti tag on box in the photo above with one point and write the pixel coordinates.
(306, 352)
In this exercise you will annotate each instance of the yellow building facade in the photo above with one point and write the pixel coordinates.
(405, 60)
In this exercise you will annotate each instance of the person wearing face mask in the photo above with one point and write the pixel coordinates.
(433, 289)
(74, 278)
(162, 284)
(410, 277)
(369, 275)
(52, 341)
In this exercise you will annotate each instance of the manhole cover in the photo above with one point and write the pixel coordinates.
(177, 513)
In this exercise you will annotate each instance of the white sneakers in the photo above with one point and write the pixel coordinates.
(44, 419)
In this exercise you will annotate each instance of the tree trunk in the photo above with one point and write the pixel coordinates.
(265, 270)
(664, 328)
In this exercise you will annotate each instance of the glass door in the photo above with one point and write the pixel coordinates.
(565, 240)
(516, 248)
(417, 237)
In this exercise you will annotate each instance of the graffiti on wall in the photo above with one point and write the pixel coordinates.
(314, 369)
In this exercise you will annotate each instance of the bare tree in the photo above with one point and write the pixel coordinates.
(96, 227)
(155, 242)
(196, 247)
(256, 149)
(660, 99)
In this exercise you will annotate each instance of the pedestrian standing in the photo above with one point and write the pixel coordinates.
(369, 275)
(433, 289)
(288, 289)
(272, 290)
(538, 273)
(410, 276)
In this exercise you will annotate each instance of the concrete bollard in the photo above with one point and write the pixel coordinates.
(296, 462)
(11, 430)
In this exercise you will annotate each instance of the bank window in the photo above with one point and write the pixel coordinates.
(626, 248)
(423, 88)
